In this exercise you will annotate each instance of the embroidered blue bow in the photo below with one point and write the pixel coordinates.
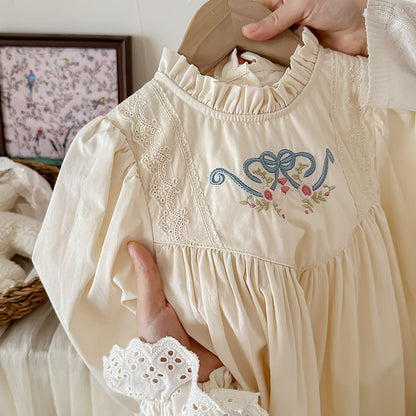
(280, 163)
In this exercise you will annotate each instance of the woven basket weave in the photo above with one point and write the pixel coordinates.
(23, 298)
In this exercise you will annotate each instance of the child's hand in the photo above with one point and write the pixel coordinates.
(156, 318)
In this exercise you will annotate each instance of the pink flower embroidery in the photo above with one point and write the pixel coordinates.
(268, 195)
(305, 190)
(284, 189)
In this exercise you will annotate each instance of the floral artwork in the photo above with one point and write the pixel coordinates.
(49, 93)
(276, 176)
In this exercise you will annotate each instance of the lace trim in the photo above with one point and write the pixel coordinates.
(163, 376)
(356, 151)
(359, 142)
(236, 402)
(193, 175)
(164, 188)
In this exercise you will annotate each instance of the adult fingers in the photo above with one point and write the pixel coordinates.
(275, 23)
(150, 295)
(271, 4)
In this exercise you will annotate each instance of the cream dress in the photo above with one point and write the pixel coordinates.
(263, 193)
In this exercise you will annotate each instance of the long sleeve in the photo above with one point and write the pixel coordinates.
(391, 84)
(98, 205)
(162, 378)
(391, 34)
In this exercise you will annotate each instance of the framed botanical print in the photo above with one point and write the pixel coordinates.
(52, 85)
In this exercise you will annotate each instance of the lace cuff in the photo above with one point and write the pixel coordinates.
(163, 379)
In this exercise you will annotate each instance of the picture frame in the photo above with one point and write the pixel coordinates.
(52, 85)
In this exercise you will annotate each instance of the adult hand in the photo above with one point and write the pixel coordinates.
(156, 318)
(338, 24)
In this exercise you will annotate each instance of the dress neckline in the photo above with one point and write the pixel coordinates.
(230, 98)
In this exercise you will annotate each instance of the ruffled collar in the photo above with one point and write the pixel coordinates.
(230, 97)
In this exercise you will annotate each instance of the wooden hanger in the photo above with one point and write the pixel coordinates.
(215, 31)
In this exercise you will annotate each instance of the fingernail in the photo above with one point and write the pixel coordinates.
(137, 258)
(130, 248)
(252, 27)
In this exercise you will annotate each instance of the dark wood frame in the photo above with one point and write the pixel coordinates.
(122, 44)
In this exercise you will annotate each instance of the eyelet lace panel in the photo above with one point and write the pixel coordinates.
(163, 379)
(209, 228)
(360, 126)
(237, 402)
(164, 188)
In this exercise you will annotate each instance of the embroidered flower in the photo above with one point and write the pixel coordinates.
(284, 189)
(260, 204)
(296, 171)
(268, 194)
(305, 190)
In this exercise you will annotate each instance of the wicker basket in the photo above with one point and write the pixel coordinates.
(23, 298)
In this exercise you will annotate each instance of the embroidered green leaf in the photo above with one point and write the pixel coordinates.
(262, 204)
(299, 169)
(276, 207)
(260, 173)
(330, 188)
(318, 198)
(244, 203)
(296, 176)
(307, 207)
(269, 180)
(307, 204)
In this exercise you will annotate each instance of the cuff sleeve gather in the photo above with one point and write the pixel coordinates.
(163, 379)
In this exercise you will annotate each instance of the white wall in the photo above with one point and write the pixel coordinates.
(153, 24)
